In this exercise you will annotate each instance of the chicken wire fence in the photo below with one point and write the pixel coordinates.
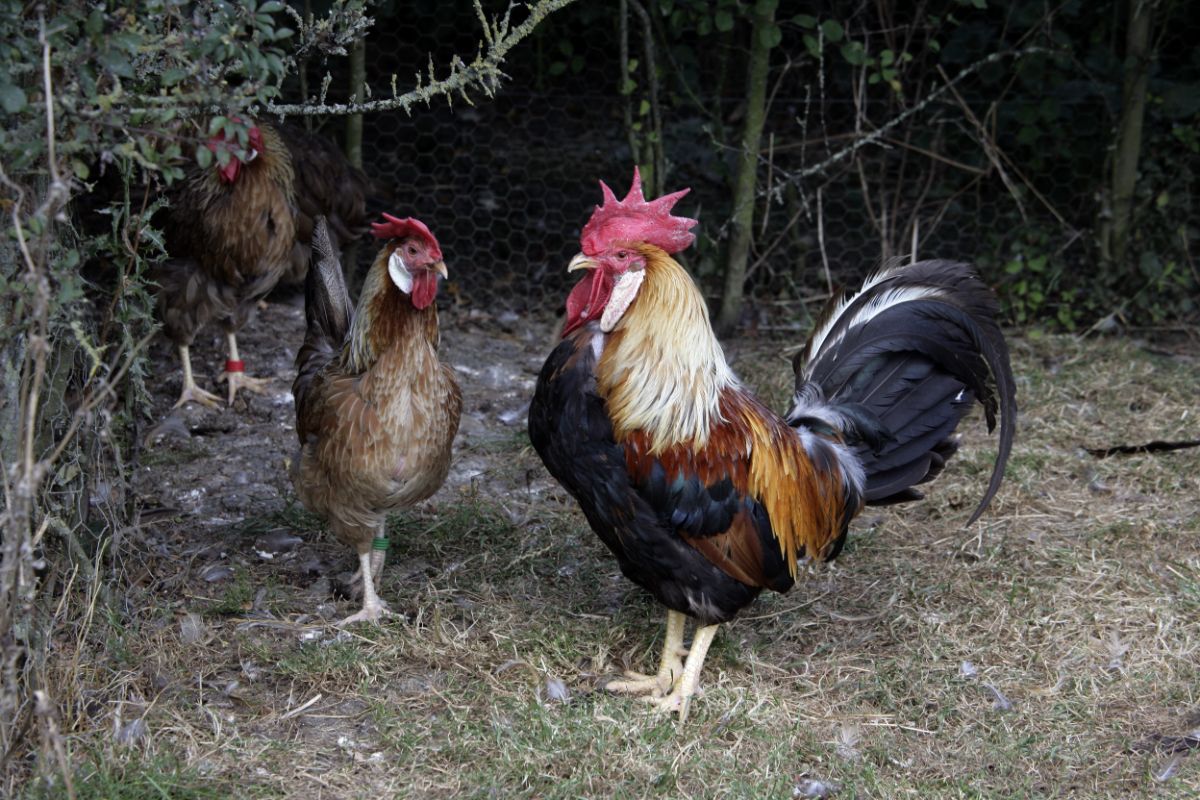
(506, 183)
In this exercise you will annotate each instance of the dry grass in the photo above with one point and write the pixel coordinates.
(1051, 650)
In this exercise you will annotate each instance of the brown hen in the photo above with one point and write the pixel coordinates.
(376, 411)
(236, 229)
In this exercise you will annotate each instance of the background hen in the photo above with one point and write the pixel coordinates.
(376, 412)
(706, 496)
(237, 229)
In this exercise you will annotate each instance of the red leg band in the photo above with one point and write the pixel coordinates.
(235, 366)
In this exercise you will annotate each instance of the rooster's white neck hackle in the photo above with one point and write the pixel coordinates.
(663, 370)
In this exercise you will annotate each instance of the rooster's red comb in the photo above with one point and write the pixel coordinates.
(395, 228)
(636, 220)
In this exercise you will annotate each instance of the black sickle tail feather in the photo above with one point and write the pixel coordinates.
(327, 313)
(898, 364)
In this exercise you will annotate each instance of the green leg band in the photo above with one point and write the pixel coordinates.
(379, 543)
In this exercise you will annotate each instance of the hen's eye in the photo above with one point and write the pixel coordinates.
(622, 254)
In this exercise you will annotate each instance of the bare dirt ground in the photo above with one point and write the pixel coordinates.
(1051, 650)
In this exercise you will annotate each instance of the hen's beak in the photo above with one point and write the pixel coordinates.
(440, 268)
(580, 261)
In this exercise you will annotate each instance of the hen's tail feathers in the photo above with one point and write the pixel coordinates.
(327, 307)
(327, 312)
(895, 366)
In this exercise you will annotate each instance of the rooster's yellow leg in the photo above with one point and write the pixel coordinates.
(670, 667)
(681, 695)
(238, 379)
(373, 608)
(192, 392)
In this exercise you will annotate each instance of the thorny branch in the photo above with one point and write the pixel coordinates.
(483, 73)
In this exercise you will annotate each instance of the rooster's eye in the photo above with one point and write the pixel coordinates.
(622, 254)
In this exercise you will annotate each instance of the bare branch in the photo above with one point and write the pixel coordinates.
(881, 134)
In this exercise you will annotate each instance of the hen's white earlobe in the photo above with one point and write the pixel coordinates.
(399, 273)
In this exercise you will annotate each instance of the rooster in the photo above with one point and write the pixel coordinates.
(703, 494)
(236, 229)
(376, 411)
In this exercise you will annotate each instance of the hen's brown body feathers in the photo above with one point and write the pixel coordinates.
(376, 411)
(230, 243)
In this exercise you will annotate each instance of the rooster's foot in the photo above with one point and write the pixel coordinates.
(194, 394)
(636, 683)
(675, 702)
(685, 685)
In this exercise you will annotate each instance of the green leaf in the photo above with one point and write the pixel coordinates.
(632, 65)
(833, 30)
(204, 157)
(770, 36)
(887, 58)
(558, 68)
(765, 7)
(812, 45)
(271, 7)
(724, 21)
(12, 98)
(644, 108)
(95, 22)
(805, 21)
(627, 87)
(854, 53)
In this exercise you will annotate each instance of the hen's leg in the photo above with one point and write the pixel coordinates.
(681, 695)
(378, 555)
(192, 392)
(669, 669)
(236, 375)
(379, 549)
(373, 608)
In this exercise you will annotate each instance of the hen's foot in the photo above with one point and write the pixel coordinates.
(194, 394)
(240, 380)
(370, 613)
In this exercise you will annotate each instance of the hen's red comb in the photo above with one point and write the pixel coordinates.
(636, 220)
(394, 228)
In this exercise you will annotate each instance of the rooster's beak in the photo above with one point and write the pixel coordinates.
(440, 268)
(580, 261)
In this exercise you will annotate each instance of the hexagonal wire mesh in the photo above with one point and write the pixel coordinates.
(507, 183)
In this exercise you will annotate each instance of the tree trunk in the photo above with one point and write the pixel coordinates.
(1114, 231)
(757, 71)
